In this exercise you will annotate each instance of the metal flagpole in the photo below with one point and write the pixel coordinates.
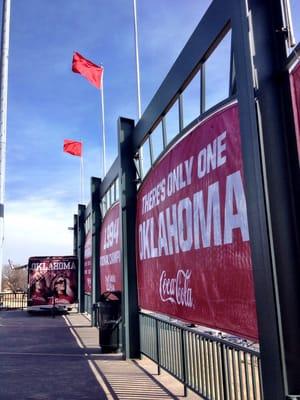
(137, 60)
(81, 180)
(103, 124)
(138, 84)
(289, 23)
(3, 118)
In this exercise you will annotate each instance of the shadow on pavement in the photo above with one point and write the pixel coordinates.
(40, 360)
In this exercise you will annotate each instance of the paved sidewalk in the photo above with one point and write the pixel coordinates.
(44, 358)
(130, 379)
(40, 360)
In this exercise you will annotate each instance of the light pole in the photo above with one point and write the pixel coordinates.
(3, 118)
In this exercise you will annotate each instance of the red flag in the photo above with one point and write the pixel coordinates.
(92, 72)
(73, 147)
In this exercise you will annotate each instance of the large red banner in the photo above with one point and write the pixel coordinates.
(110, 262)
(193, 253)
(295, 90)
(88, 263)
(52, 280)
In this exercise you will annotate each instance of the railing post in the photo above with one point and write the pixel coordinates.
(183, 354)
(223, 372)
(157, 346)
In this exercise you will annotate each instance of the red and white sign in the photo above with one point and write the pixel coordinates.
(52, 280)
(295, 90)
(88, 260)
(110, 255)
(193, 253)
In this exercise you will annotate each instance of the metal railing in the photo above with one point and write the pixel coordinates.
(13, 301)
(210, 366)
(87, 303)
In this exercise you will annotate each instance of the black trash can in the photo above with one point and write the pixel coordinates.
(109, 318)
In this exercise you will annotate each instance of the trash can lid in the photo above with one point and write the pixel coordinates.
(114, 295)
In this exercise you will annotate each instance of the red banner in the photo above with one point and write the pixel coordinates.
(295, 90)
(193, 253)
(88, 263)
(52, 279)
(110, 262)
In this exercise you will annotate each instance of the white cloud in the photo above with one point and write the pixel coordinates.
(47, 103)
(37, 226)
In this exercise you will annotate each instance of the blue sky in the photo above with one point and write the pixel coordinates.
(47, 103)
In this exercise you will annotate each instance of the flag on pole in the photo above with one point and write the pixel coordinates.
(73, 147)
(92, 72)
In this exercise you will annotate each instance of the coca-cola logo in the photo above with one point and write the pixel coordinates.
(176, 290)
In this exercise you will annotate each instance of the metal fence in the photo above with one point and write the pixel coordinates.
(87, 303)
(13, 301)
(212, 367)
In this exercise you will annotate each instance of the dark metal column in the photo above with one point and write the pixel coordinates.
(80, 254)
(127, 176)
(96, 216)
(269, 165)
(281, 175)
(265, 292)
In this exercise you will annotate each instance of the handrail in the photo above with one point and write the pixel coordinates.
(188, 328)
(212, 367)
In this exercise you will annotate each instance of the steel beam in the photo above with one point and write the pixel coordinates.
(96, 224)
(80, 253)
(127, 175)
(280, 170)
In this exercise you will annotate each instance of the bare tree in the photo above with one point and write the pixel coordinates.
(14, 279)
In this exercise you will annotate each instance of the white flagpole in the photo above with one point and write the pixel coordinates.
(81, 179)
(3, 118)
(103, 125)
(137, 60)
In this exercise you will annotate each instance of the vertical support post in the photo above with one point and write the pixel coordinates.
(270, 183)
(80, 254)
(75, 235)
(224, 372)
(232, 73)
(95, 203)
(127, 175)
(267, 318)
(202, 89)
(157, 346)
(281, 178)
(183, 353)
(180, 112)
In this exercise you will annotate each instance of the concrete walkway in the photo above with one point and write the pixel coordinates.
(44, 358)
